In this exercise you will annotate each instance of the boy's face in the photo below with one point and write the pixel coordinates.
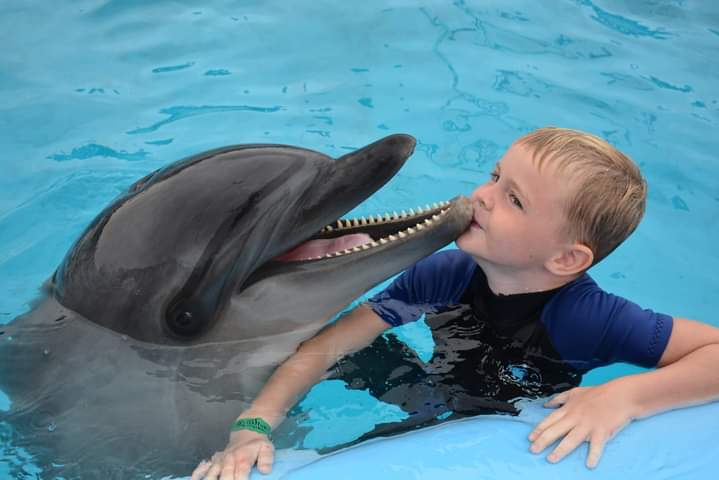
(518, 214)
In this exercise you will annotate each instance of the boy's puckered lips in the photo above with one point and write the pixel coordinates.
(476, 222)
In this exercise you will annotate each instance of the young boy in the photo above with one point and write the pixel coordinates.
(558, 202)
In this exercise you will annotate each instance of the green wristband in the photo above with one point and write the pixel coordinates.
(255, 424)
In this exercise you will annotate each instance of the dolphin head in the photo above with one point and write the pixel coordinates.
(163, 261)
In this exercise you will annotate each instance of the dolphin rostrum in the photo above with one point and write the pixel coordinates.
(181, 297)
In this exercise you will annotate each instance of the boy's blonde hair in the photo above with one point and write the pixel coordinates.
(608, 194)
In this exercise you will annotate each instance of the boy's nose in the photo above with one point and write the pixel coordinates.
(482, 196)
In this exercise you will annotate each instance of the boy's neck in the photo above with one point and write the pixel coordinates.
(503, 280)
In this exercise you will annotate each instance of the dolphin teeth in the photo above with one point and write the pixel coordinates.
(339, 224)
(363, 221)
(411, 230)
(365, 246)
(394, 214)
(402, 234)
(383, 241)
(356, 249)
(374, 244)
(403, 214)
(435, 217)
(346, 251)
(427, 207)
(392, 238)
(328, 228)
(420, 226)
(428, 221)
(411, 212)
(387, 217)
(434, 205)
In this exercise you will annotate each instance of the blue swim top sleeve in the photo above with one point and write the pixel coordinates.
(431, 284)
(591, 328)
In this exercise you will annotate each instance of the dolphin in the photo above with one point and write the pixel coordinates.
(180, 298)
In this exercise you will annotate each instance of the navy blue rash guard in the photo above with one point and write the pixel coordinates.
(580, 323)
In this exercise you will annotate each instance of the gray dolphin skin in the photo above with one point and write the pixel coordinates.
(172, 308)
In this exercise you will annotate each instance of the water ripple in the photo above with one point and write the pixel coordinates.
(181, 112)
(172, 68)
(95, 150)
(662, 84)
(217, 72)
(165, 141)
(624, 25)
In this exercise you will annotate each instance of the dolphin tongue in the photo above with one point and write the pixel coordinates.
(318, 248)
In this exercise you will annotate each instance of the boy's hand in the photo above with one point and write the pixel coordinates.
(244, 450)
(585, 414)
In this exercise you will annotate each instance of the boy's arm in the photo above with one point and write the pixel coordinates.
(687, 375)
(287, 384)
(309, 364)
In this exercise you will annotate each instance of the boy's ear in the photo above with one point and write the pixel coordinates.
(573, 259)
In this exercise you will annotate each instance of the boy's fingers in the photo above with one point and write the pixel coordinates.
(214, 472)
(265, 459)
(228, 468)
(242, 469)
(559, 399)
(548, 421)
(550, 435)
(201, 470)
(596, 448)
(573, 439)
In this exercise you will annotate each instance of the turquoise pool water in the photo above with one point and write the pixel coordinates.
(93, 95)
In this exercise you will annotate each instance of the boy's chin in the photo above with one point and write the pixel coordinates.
(464, 243)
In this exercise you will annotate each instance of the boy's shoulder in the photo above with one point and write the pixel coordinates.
(586, 322)
(435, 281)
(444, 267)
(448, 259)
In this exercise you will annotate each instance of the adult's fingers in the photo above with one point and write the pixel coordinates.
(265, 458)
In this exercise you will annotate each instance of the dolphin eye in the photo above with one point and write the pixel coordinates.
(183, 319)
(183, 323)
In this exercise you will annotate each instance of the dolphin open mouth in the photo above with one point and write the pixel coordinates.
(346, 236)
